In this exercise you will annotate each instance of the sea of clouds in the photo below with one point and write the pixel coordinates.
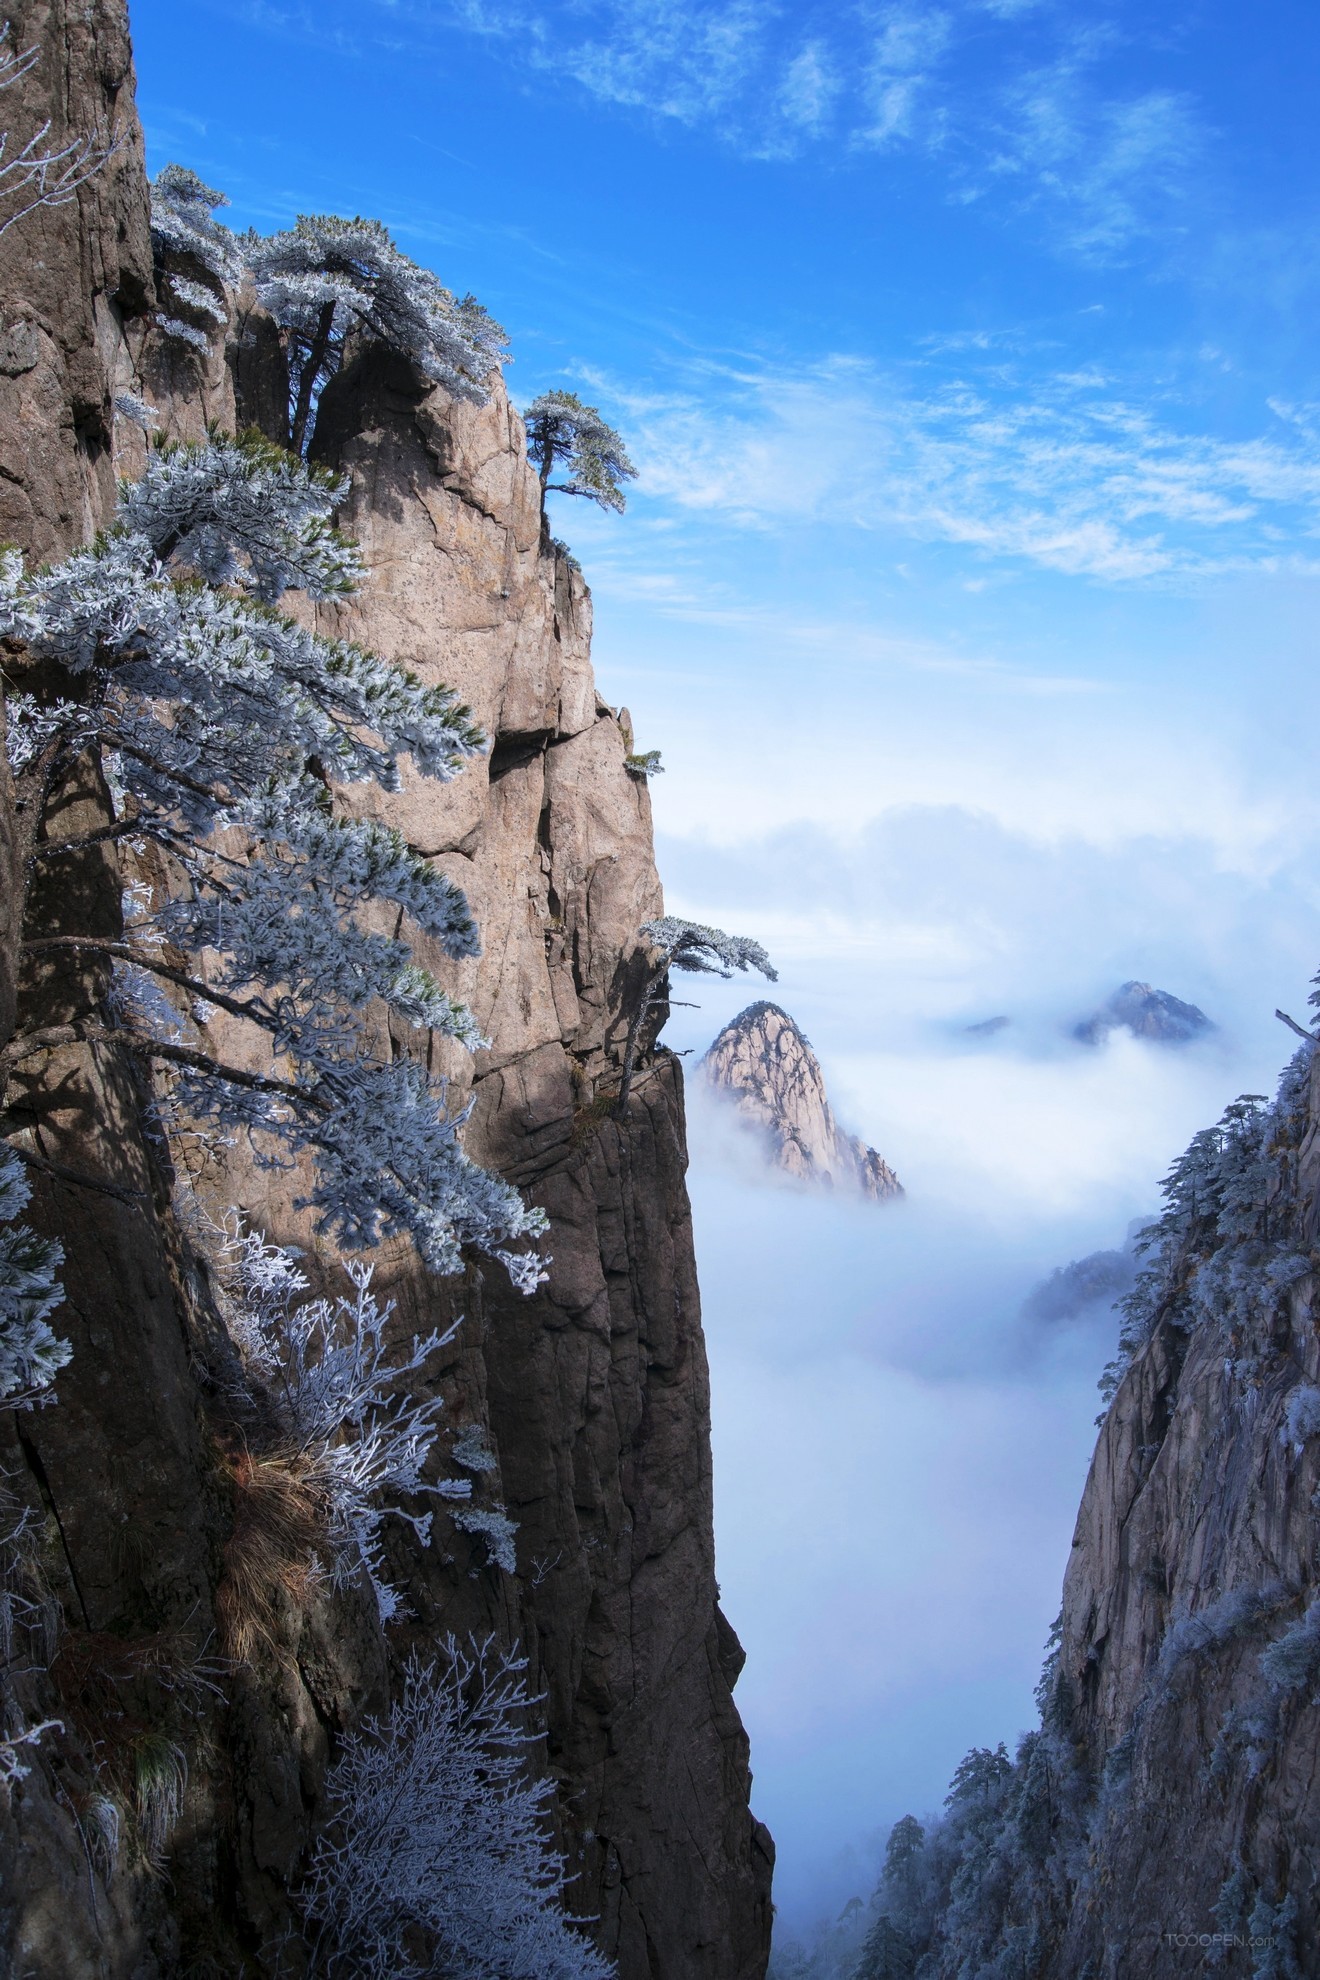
(899, 1446)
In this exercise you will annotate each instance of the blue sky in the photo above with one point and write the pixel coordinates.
(969, 589)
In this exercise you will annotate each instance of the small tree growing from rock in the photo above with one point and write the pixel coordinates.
(187, 241)
(560, 429)
(690, 946)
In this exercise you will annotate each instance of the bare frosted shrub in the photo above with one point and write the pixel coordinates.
(31, 1354)
(341, 1393)
(434, 1857)
(325, 1366)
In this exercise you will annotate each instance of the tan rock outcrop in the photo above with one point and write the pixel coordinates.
(766, 1065)
(593, 1394)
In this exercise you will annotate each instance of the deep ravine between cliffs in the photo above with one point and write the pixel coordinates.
(1165, 1812)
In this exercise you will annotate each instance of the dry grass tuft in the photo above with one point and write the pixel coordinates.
(160, 1781)
(114, 1693)
(271, 1557)
(587, 1119)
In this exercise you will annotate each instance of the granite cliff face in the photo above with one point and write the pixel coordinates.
(768, 1068)
(593, 1394)
(1164, 1817)
(1190, 1651)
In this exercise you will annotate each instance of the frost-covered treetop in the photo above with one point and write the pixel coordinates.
(183, 225)
(327, 277)
(210, 709)
(561, 429)
(243, 512)
(706, 951)
(183, 222)
(1229, 1242)
(323, 280)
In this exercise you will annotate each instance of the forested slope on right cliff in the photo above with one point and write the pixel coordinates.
(1163, 1817)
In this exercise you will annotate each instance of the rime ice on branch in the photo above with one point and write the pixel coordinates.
(212, 709)
(37, 174)
(31, 1355)
(435, 1857)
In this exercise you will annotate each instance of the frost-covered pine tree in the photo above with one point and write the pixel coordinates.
(326, 279)
(434, 1857)
(1228, 1243)
(561, 431)
(222, 726)
(690, 946)
(188, 242)
(887, 1953)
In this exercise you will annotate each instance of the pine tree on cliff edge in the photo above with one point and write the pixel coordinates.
(561, 430)
(324, 281)
(327, 278)
(690, 946)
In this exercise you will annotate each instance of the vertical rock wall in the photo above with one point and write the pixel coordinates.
(116, 1475)
(594, 1392)
(1196, 1548)
(596, 1388)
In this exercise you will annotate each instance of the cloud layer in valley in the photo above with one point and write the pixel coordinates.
(903, 1401)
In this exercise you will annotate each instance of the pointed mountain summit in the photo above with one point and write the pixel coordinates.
(766, 1065)
(1146, 1013)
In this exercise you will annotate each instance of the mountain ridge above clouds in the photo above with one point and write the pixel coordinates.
(763, 1061)
(1146, 1013)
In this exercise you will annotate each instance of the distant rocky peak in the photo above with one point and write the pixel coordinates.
(1146, 1013)
(765, 1064)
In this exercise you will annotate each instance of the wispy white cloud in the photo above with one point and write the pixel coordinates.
(811, 86)
(1019, 107)
(1065, 470)
(677, 60)
(904, 56)
(1109, 166)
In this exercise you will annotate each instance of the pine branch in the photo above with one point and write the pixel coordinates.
(123, 828)
(125, 952)
(58, 1171)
